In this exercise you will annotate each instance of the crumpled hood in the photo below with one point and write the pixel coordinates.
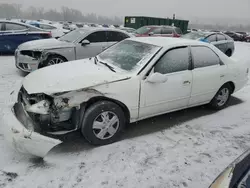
(45, 44)
(69, 76)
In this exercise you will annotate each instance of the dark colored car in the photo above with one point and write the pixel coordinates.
(164, 31)
(236, 175)
(235, 36)
(220, 40)
(245, 35)
(12, 34)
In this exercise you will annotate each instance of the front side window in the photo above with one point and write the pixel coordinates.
(175, 60)
(211, 38)
(14, 27)
(99, 36)
(143, 30)
(113, 36)
(204, 57)
(156, 31)
(128, 55)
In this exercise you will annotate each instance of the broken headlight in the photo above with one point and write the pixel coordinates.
(30, 53)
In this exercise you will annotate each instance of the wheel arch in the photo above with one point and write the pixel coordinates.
(231, 84)
(103, 98)
(48, 55)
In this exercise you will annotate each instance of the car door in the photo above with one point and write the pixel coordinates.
(174, 93)
(114, 37)
(209, 74)
(98, 41)
(221, 43)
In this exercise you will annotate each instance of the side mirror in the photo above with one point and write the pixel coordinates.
(157, 78)
(85, 42)
(151, 33)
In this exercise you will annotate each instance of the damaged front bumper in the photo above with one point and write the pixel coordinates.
(22, 133)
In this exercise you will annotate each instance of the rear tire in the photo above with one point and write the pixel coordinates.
(221, 98)
(229, 53)
(103, 123)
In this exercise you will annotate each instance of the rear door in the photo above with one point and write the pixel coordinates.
(98, 41)
(209, 74)
(221, 43)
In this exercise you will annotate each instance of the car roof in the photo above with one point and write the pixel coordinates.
(92, 29)
(166, 26)
(167, 41)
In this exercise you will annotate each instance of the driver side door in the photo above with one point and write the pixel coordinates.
(98, 41)
(174, 91)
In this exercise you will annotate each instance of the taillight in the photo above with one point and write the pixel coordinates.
(46, 35)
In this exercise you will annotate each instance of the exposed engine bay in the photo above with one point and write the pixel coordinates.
(50, 114)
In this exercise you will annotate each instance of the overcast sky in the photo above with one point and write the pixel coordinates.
(163, 8)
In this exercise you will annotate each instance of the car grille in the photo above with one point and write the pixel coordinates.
(23, 65)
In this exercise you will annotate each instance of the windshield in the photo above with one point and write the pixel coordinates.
(72, 36)
(143, 30)
(194, 35)
(128, 54)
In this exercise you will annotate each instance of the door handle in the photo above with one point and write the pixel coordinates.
(186, 82)
(222, 75)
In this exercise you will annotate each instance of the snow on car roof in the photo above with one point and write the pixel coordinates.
(166, 41)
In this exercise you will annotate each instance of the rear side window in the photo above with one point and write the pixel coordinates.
(220, 37)
(156, 30)
(1, 26)
(47, 27)
(113, 36)
(167, 31)
(99, 36)
(14, 27)
(204, 57)
(178, 31)
(175, 60)
(211, 38)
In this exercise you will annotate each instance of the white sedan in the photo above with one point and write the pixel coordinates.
(135, 79)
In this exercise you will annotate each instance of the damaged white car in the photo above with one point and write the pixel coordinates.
(135, 79)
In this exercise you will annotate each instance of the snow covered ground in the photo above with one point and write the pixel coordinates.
(188, 148)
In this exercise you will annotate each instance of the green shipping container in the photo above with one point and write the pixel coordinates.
(138, 21)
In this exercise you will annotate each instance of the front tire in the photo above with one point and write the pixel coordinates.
(103, 123)
(221, 98)
(53, 60)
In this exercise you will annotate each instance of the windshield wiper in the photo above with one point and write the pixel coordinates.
(106, 64)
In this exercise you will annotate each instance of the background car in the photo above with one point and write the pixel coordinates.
(55, 29)
(12, 34)
(236, 175)
(235, 36)
(244, 34)
(78, 44)
(164, 31)
(220, 40)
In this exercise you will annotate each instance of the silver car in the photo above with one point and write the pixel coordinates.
(220, 40)
(78, 44)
